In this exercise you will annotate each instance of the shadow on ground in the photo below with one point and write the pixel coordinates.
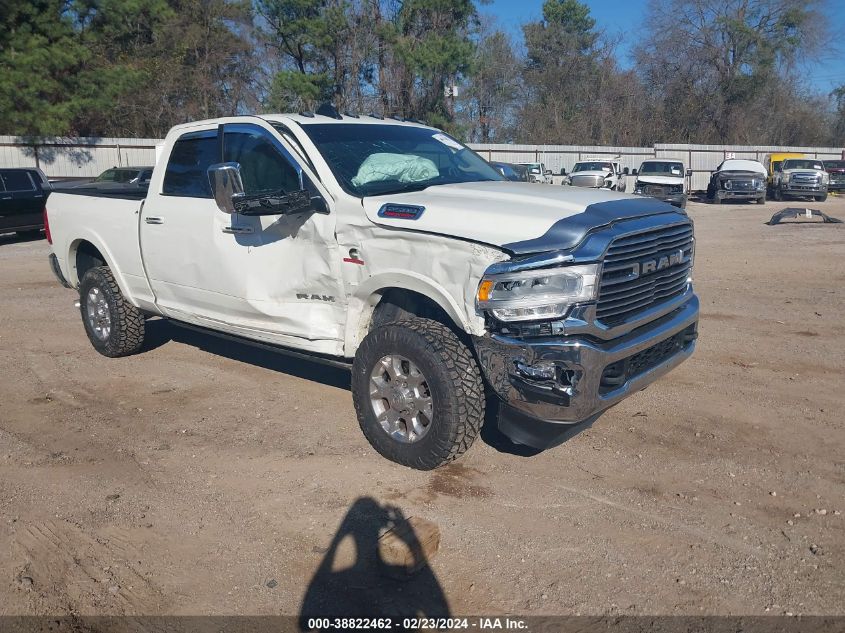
(161, 331)
(353, 580)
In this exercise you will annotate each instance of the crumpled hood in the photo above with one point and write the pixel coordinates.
(660, 180)
(519, 217)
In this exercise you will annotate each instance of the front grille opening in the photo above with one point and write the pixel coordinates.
(618, 373)
(629, 284)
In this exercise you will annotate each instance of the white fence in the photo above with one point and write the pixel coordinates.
(78, 157)
(87, 157)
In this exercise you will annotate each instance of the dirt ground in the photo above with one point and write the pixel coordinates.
(204, 477)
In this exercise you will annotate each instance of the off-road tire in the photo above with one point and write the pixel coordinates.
(761, 200)
(454, 381)
(127, 323)
(821, 198)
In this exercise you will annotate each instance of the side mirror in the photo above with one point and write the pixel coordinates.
(634, 172)
(689, 173)
(548, 172)
(625, 171)
(227, 187)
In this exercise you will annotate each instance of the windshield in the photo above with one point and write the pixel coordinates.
(834, 164)
(793, 163)
(662, 169)
(592, 167)
(372, 160)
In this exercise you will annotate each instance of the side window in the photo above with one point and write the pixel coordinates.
(263, 167)
(18, 181)
(187, 168)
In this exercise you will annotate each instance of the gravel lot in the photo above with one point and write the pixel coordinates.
(207, 477)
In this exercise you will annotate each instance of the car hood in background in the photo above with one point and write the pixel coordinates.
(516, 216)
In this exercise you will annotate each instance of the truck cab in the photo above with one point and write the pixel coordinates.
(390, 248)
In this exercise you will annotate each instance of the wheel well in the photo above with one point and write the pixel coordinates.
(87, 257)
(397, 304)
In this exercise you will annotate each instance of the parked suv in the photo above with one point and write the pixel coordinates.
(23, 193)
(836, 174)
(801, 177)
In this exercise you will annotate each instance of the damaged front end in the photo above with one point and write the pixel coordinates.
(570, 334)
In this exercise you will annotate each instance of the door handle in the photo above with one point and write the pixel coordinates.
(153, 220)
(238, 230)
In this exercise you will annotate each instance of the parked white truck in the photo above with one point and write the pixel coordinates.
(390, 248)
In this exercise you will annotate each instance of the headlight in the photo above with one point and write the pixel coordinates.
(537, 294)
(726, 184)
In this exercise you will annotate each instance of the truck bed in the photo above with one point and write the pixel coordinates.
(108, 221)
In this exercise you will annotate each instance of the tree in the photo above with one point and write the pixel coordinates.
(723, 69)
(46, 84)
(493, 89)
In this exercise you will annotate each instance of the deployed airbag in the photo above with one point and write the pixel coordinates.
(401, 167)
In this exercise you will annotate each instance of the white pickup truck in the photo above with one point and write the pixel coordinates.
(389, 247)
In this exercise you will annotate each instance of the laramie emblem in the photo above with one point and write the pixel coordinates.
(650, 266)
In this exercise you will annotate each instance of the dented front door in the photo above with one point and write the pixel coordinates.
(284, 269)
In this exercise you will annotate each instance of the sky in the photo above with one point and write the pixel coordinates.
(622, 18)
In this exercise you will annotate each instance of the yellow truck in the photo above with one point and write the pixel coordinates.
(773, 164)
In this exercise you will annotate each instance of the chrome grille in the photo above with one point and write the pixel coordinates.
(805, 179)
(655, 190)
(739, 185)
(623, 292)
(587, 181)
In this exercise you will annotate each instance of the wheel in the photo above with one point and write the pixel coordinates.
(761, 200)
(821, 198)
(418, 393)
(114, 326)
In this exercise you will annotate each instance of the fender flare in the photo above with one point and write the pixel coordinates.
(96, 242)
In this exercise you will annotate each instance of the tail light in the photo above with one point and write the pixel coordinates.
(47, 227)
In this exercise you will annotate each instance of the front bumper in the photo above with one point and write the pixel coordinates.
(803, 190)
(725, 194)
(589, 375)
